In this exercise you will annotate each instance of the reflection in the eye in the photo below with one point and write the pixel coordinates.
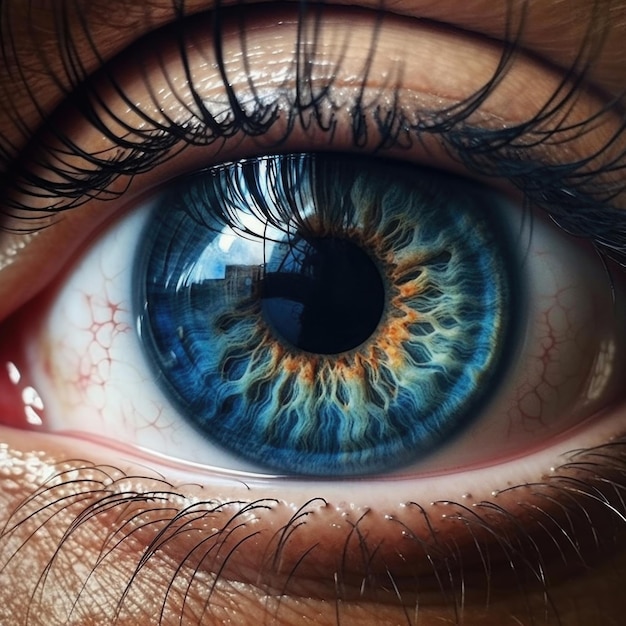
(367, 538)
(603, 371)
(290, 387)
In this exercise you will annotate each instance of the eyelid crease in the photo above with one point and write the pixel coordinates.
(97, 31)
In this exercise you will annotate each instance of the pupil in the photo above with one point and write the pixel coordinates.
(327, 295)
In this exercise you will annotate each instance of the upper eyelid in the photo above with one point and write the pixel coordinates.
(452, 124)
(458, 111)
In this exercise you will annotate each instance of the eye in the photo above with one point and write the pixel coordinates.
(273, 115)
(325, 315)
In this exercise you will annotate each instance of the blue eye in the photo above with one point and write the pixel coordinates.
(327, 315)
(190, 331)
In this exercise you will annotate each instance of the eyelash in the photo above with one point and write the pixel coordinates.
(571, 195)
(576, 197)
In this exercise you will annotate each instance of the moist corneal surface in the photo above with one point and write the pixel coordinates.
(326, 315)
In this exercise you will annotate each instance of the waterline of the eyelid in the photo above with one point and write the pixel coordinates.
(12, 245)
(537, 465)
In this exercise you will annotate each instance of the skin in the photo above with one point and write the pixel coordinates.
(89, 576)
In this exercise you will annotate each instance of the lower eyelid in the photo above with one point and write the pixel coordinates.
(355, 534)
(541, 518)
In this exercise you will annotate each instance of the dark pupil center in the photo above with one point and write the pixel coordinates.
(326, 297)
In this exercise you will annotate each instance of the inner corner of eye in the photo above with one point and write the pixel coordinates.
(319, 315)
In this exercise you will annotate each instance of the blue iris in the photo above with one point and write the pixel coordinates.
(324, 314)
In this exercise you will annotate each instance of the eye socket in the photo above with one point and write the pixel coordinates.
(385, 530)
(480, 354)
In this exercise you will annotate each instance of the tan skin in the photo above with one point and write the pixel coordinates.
(91, 576)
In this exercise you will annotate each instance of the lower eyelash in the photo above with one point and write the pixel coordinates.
(572, 520)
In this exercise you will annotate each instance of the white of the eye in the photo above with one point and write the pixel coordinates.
(97, 382)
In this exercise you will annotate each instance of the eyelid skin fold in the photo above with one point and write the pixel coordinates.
(553, 30)
(231, 546)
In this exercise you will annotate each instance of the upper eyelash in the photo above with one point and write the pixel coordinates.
(578, 198)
